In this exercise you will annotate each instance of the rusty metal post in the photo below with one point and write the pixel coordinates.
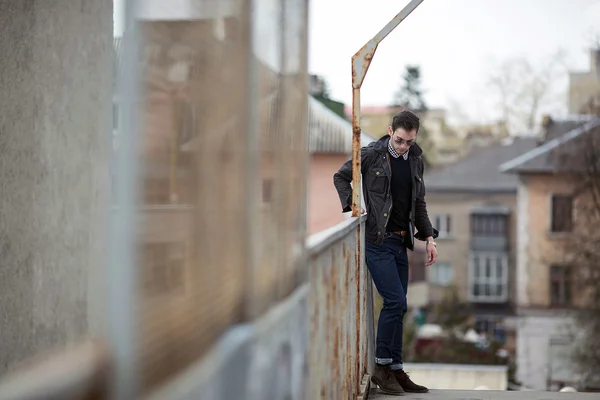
(360, 64)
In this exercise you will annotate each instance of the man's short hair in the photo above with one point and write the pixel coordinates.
(406, 120)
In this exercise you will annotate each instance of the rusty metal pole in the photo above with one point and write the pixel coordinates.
(360, 64)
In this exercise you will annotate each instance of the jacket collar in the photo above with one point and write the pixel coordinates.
(381, 146)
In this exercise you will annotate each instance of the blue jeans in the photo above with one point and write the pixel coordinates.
(388, 264)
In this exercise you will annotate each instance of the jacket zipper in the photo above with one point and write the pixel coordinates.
(417, 179)
(388, 191)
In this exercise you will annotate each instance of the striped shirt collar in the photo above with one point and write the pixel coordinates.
(394, 153)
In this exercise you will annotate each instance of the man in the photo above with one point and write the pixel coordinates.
(394, 194)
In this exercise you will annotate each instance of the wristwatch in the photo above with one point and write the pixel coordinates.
(431, 242)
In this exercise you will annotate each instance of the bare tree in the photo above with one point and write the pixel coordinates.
(582, 249)
(522, 90)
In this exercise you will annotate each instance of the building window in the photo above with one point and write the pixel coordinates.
(267, 190)
(488, 225)
(162, 267)
(560, 285)
(156, 192)
(443, 223)
(440, 273)
(562, 213)
(488, 277)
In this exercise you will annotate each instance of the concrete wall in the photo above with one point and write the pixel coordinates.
(55, 123)
(533, 347)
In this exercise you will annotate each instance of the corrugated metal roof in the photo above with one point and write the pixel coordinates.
(328, 132)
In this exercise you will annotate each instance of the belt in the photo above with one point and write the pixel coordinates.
(401, 233)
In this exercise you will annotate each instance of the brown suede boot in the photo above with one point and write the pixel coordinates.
(408, 385)
(384, 378)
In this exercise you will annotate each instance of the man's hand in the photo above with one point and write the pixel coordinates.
(431, 252)
(362, 211)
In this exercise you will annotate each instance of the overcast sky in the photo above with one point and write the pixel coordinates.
(456, 43)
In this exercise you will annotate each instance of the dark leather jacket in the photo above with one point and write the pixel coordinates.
(376, 173)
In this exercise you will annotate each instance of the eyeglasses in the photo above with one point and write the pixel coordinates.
(401, 141)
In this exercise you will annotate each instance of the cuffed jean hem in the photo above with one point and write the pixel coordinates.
(383, 361)
(397, 367)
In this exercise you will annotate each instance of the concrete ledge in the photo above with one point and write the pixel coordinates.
(454, 367)
(458, 376)
(365, 387)
(319, 241)
(484, 395)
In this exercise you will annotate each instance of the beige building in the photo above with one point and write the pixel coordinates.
(473, 206)
(545, 294)
(584, 86)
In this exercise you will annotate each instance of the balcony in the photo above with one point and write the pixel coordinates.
(489, 228)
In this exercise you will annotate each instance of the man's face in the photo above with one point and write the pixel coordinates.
(402, 139)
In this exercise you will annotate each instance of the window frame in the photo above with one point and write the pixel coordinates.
(433, 277)
(566, 290)
(495, 225)
(445, 228)
(491, 280)
(551, 214)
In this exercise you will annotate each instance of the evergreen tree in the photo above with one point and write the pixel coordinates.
(410, 96)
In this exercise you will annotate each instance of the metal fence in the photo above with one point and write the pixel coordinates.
(219, 218)
(314, 344)
(210, 277)
(341, 313)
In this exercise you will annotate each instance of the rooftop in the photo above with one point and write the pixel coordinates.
(558, 133)
(478, 171)
(328, 132)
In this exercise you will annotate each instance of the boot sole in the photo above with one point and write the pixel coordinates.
(385, 391)
(416, 391)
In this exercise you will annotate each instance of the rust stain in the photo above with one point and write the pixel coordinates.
(358, 282)
(332, 310)
(356, 133)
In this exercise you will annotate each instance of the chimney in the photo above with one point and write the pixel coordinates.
(595, 61)
(546, 121)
